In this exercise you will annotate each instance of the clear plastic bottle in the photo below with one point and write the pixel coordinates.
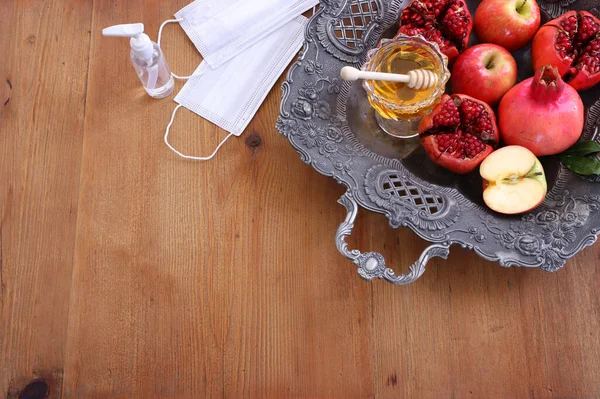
(154, 73)
(147, 59)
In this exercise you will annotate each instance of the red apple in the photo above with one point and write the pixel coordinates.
(507, 23)
(513, 180)
(485, 72)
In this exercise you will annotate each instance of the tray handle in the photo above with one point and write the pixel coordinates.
(372, 264)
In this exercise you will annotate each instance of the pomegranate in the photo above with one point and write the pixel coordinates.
(459, 133)
(445, 22)
(542, 114)
(572, 44)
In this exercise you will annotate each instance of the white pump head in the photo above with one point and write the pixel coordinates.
(140, 42)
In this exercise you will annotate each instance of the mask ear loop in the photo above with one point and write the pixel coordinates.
(189, 156)
(167, 131)
(170, 21)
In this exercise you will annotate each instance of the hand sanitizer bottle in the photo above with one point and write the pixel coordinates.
(147, 59)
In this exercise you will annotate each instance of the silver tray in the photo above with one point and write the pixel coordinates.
(332, 126)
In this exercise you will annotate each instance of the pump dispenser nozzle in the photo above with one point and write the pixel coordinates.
(140, 42)
(147, 59)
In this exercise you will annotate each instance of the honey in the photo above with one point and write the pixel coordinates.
(398, 108)
(397, 100)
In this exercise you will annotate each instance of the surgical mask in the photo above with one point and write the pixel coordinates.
(246, 46)
(221, 29)
(230, 95)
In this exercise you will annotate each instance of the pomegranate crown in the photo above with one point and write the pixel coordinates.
(548, 78)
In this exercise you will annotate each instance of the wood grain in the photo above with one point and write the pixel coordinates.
(127, 272)
(41, 132)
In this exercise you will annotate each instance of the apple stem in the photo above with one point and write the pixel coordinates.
(514, 179)
(521, 6)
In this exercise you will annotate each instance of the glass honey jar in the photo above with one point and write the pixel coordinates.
(398, 108)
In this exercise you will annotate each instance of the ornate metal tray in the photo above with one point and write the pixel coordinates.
(332, 127)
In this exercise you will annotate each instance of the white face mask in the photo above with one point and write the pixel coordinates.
(221, 29)
(246, 46)
(230, 95)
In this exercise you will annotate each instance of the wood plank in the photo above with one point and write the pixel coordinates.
(41, 127)
(469, 328)
(200, 271)
(306, 329)
(128, 272)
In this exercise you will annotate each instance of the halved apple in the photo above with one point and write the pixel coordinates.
(513, 180)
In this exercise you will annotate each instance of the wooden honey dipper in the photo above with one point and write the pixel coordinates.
(418, 79)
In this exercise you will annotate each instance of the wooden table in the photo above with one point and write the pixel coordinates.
(128, 272)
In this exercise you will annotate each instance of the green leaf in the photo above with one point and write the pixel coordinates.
(584, 148)
(582, 165)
